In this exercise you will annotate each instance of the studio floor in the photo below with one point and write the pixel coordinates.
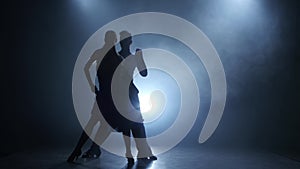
(179, 157)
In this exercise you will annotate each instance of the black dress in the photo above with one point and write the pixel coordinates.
(104, 98)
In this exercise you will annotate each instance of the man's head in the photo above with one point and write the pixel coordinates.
(126, 39)
(110, 37)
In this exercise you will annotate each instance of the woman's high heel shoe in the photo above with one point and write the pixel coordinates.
(74, 156)
(92, 153)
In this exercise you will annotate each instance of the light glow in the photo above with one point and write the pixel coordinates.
(152, 105)
(145, 103)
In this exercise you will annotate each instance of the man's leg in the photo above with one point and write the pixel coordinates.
(138, 131)
(127, 141)
(139, 134)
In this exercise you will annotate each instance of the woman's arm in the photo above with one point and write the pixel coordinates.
(87, 67)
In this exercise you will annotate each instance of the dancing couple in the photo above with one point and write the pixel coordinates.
(128, 120)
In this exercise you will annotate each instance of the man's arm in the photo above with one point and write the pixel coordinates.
(140, 63)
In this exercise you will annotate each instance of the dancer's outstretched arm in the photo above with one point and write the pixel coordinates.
(87, 67)
(141, 63)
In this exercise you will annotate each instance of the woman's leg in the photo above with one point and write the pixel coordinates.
(102, 133)
(84, 136)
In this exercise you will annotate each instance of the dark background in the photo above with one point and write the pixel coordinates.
(257, 42)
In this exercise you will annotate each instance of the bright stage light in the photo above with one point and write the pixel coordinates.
(145, 103)
(152, 105)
